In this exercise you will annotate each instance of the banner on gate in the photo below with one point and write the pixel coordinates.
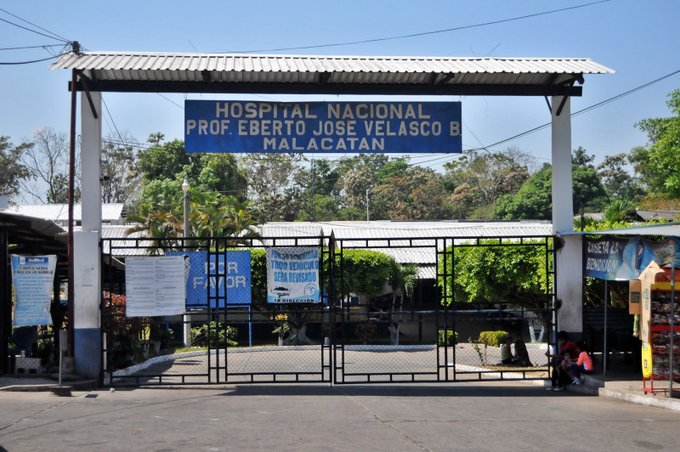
(293, 275)
(233, 275)
(33, 280)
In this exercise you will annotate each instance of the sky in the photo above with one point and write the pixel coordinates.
(639, 40)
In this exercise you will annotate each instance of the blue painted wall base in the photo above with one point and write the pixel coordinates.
(87, 353)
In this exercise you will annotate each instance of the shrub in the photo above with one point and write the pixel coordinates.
(214, 335)
(492, 338)
(447, 337)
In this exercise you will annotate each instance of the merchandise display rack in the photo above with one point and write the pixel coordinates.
(665, 335)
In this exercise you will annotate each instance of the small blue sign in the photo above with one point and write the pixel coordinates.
(234, 277)
(322, 127)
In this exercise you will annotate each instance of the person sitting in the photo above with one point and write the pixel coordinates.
(582, 366)
(521, 352)
(559, 376)
(506, 352)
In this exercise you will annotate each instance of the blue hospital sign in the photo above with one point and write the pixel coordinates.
(228, 280)
(318, 127)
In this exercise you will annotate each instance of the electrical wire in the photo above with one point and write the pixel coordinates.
(44, 46)
(576, 113)
(51, 33)
(16, 63)
(31, 30)
(424, 33)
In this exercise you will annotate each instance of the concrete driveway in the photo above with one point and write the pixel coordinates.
(489, 416)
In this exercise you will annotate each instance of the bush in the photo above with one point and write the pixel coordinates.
(216, 335)
(447, 337)
(492, 338)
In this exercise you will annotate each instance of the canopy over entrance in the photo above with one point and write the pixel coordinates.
(294, 74)
(159, 72)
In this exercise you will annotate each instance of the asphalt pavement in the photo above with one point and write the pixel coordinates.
(489, 416)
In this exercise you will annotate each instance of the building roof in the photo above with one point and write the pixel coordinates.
(308, 74)
(59, 212)
(30, 236)
(407, 231)
(660, 230)
(408, 242)
(652, 215)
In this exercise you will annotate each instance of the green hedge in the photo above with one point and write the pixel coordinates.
(492, 338)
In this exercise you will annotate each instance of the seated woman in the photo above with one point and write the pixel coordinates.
(582, 365)
(506, 353)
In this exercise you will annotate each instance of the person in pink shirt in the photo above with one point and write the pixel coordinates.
(582, 365)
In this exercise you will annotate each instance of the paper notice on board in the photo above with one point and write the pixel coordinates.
(155, 286)
(33, 279)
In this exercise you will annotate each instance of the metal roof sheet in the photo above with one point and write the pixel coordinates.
(407, 231)
(212, 69)
(59, 212)
(660, 230)
(243, 63)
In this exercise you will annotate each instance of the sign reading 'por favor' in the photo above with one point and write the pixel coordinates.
(318, 127)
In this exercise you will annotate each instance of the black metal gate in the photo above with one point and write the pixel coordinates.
(427, 335)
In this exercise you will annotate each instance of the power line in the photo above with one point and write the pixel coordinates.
(112, 121)
(16, 63)
(44, 46)
(424, 33)
(52, 34)
(576, 113)
(31, 30)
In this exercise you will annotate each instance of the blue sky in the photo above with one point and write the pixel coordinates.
(639, 40)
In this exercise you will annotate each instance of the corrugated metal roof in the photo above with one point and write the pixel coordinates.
(658, 214)
(130, 246)
(661, 230)
(310, 69)
(408, 242)
(111, 212)
(408, 232)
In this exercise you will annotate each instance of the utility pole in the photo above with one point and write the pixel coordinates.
(367, 215)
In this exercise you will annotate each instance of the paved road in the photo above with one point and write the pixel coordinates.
(296, 361)
(489, 416)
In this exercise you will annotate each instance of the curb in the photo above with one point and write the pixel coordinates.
(53, 387)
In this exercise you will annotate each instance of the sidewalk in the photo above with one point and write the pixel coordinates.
(627, 387)
(43, 382)
(622, 386)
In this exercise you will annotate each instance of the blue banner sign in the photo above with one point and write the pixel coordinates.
(33, 279)
(616, 259)
(234, 276)
(322, 127)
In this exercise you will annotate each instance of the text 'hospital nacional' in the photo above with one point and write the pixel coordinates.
(238, 126)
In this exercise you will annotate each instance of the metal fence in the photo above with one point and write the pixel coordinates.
(426, 335)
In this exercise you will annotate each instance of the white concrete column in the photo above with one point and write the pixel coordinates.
(86, 254)
(569, 278)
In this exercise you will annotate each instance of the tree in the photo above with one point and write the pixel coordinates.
(490, 273)
(415, 193)
(213, 214)
(478, 180)
(47, 161)
(168, 160)
(120, 175)
(220, 173)
(659, 161)
(617, 180)
(14, 172)
(532, 201)
(276, 185)
(534, 198)
(588, 192)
